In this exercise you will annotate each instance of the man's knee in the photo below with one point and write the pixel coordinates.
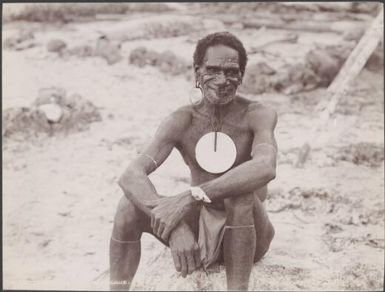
(269, 235)
(264, 243)
(239, 210)
(127, 221)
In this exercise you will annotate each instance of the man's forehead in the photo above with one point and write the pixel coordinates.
(221, 55)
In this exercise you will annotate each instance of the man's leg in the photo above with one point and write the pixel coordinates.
(239, 241)
(125, 245)
(125, 249)
(264, 229)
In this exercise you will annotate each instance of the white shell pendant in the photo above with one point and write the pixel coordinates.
(215, 152)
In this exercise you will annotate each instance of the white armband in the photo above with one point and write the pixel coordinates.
(265, 145)
(198, 194)
(149, 157)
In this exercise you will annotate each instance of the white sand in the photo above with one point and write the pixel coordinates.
(60, 194)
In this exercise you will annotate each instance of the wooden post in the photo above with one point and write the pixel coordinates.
(352, 66)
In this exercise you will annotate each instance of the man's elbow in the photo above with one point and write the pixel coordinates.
(270, 174)
(265, 167)
(127, 177)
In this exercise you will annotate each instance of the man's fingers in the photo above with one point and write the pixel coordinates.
(197, 257)
(155, 222)
(160, 230)
(150, 204)
(184, 265)
(166, 232)
(177, 264)
(190, 263)
(152, 221)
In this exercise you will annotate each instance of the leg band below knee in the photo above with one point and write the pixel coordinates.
(242, 226)
(124, 241)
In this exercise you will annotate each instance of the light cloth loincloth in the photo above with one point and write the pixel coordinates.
(211, 230)
(212, 223)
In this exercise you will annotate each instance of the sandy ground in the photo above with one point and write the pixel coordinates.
(60, 193)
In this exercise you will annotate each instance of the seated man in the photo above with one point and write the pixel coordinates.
(228, 144)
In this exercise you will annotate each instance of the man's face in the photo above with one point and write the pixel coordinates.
(219, 75)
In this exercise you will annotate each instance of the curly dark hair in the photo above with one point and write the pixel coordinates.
(220, 38)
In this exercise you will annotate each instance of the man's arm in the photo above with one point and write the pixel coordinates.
(138, 188)
(253, 174)
(245, 178)
(134, 182)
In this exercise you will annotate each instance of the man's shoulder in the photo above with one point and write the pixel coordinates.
(258, 113)
(182, 114)
(174, 124)
(180, 118)
(256, 109)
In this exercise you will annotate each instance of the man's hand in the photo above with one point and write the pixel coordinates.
(184, 249)
(168, 212)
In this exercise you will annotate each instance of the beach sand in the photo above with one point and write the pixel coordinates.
(60, 193)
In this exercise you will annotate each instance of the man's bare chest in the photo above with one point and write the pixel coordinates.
(235, 128)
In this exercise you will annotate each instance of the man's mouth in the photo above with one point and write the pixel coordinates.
(222, 91)
(222, 95)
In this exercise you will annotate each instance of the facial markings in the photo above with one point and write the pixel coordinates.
(219, 74)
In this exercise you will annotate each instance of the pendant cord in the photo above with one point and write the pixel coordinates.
(215, 141)
(216, 122)
(216, 125)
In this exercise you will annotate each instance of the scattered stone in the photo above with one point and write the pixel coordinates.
(50, 95)
(375, 62)
(166, 61)
(108, 50)
(81, 51)
(52, 112)
(104, 48)
(23, 41)
(323, 65)
(332, 228)
(362, 7)
(353, 34)
(363, 153)
(310, 193)
(166, 28)
(257, 78)
(56, 46)
(360, 276)
(319, 68)
(44, 243)
(296, 78)
(142, 57)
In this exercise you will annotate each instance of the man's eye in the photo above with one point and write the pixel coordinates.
(213, 70)
(232, 72)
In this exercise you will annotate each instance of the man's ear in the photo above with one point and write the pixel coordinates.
(196, 73)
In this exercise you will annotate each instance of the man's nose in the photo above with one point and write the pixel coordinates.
(221, 78)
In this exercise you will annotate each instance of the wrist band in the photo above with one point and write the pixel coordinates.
(152, 159)
(198, 194)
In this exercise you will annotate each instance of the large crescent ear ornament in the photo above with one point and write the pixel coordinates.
(196, 95)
